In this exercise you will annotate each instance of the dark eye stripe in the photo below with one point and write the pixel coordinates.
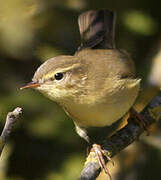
(58, 76)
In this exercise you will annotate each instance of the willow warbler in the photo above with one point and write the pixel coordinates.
(97, 85)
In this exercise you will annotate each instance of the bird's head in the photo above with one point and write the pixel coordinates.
(60, 78)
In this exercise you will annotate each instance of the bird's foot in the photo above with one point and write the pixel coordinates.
(139, 119)
(100, 154)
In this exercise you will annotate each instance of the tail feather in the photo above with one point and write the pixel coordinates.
(97, 29)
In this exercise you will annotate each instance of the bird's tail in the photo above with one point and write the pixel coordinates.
(97, 29)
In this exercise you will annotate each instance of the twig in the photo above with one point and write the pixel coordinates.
(121, 139)
(10, 121)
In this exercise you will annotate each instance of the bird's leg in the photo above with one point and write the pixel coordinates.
(139, 119)
(100, 154)
(96, 148)
(82, 132)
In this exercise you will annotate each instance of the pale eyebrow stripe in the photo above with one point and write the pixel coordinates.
(49, 75)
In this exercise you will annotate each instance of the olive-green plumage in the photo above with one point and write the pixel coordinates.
(97, 85)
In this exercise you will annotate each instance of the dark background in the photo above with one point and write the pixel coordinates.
(44, 144)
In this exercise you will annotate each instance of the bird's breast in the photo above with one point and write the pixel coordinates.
(112, 107)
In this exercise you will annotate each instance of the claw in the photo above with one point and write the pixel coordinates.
(99, 154)
(108, 158)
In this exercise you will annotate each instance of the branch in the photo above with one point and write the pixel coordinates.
(10, 121)
(122, 138)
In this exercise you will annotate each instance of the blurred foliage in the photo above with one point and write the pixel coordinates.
(44, 144)
(140, 22)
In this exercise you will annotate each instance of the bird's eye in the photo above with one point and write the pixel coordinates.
(58, 76)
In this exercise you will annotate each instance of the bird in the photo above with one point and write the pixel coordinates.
(97, 85)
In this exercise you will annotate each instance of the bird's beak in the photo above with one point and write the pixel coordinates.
(31, 85)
